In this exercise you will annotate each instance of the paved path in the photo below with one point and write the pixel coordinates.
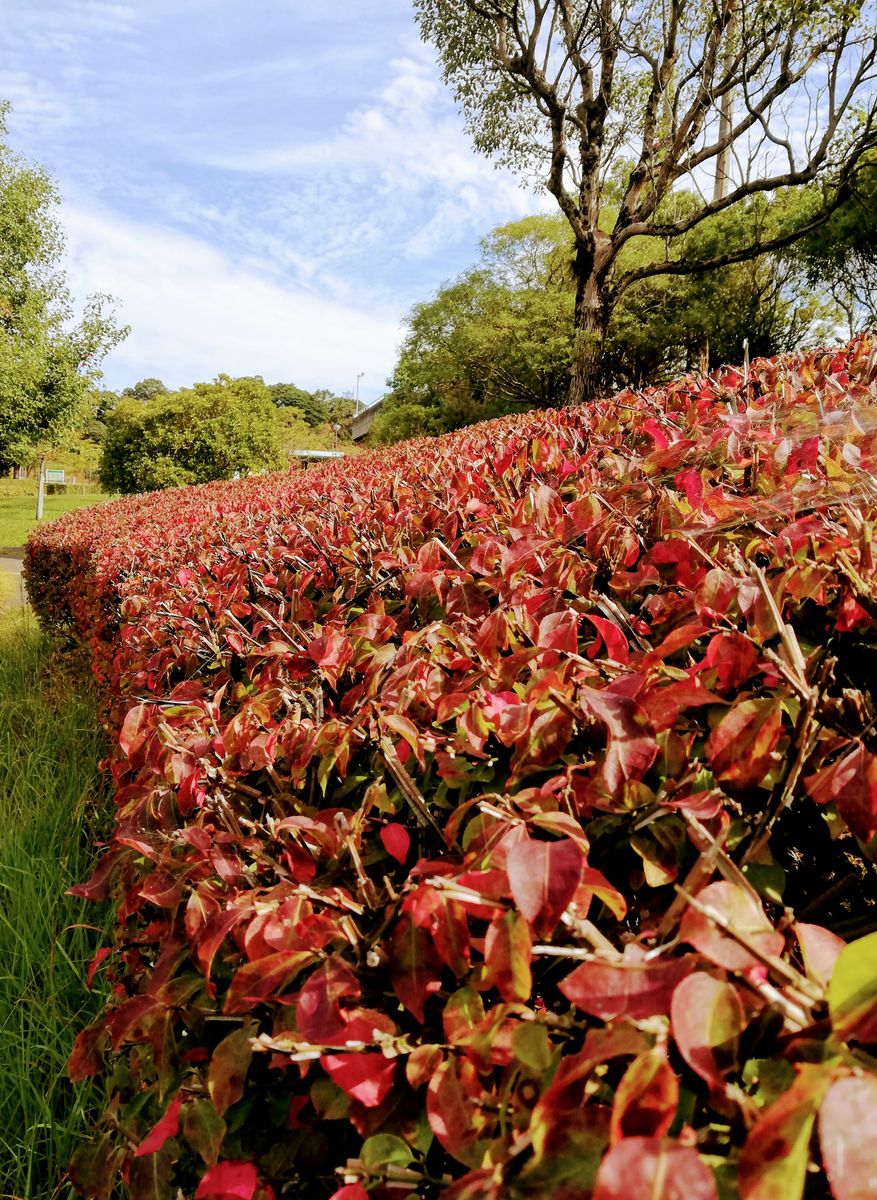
(10, 564)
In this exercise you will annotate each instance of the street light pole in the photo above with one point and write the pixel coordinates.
(356, 399)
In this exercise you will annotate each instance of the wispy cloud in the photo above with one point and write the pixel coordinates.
(195, 313)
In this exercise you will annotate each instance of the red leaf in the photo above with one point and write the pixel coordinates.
(559, 631)
(707, 1018)
(167, 1127)
(228, 1181)
(847, 1120)
(318, 1015)
(135, 729)
(595, 883)
(101, 955)
(851, 783)
(740, 748)
(99, 885)
(415, 967)
(663, 703)
(396, 841)
(646, 1098)
(733, 658)
(331, 651)
(630, 988)
(446, 921)
(642, 1168)
(368, 1078)
(744, 915)
(350, 1191)
(556, 1109)
(612, 638)
(543, 877)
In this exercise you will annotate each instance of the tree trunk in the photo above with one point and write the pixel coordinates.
(591, 319)
(722, 181)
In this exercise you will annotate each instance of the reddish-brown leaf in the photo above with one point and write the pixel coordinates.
(630, 988)
(265, 977)
(773, 1162)
(646, 1098)
(415, 967)
(851, 784)
(740, 748)
(744, 915)
(455, 1116)
(707, 1018)
(87, 1057)
(632, 746)
(318, 1015)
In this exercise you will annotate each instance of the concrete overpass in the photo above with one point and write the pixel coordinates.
(363, 422)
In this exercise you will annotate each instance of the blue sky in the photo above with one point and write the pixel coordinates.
(267, 187)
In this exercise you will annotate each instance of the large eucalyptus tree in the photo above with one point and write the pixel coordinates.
(645, 118)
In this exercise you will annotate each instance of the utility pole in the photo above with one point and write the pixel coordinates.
(41, 486)
(356, 396)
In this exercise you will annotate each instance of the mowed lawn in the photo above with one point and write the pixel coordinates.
(17, 513)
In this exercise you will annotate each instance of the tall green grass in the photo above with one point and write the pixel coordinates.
(51, 806)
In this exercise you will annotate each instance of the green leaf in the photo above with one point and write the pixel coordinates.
(203, 1129)
(227, 1075)
(532, 1047)
(384, 1149)
(852, 992)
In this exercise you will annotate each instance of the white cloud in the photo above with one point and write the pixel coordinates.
(194, 313)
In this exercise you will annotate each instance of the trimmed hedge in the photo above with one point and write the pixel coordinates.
(495, 813)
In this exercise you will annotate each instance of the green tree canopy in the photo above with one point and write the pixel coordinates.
(49, 360)
(501, 337)
(209, 431)
(146, 389)
(842, 257)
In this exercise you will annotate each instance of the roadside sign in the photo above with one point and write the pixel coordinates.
(54, 474)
